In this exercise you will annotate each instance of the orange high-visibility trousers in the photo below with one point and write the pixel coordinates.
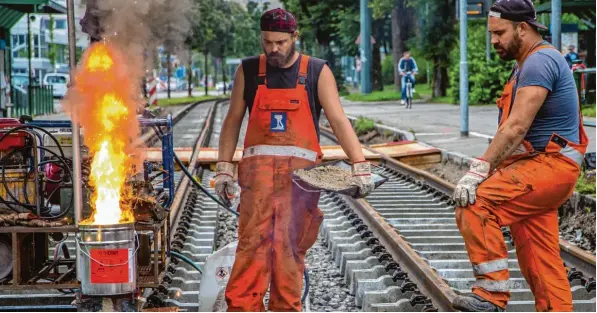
(524, 195)
(278, 223)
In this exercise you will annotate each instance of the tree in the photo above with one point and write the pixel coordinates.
(52, 49)
(402, 17)
(436, 38)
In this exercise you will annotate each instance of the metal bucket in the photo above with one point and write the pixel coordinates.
(108, 263)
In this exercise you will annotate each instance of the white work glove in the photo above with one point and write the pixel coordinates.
(466, 190)
(224, 182)
(361, 177)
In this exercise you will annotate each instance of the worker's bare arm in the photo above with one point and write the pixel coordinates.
(234, 118)
(526, 104)
(330, 102)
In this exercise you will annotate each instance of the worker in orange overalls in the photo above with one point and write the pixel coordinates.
(528, 171)
(284, 92)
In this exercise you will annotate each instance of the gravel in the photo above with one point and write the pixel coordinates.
(327, 291)
(326, 177)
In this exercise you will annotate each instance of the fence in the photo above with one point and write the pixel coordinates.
(585, 84)
(42, 100)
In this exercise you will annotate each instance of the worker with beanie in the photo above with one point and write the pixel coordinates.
(284, 92)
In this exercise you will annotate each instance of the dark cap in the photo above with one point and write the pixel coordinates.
(516, 11)
(278, 20)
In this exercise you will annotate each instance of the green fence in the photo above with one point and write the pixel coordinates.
(39, 102)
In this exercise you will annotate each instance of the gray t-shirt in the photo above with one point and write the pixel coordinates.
(559, 113)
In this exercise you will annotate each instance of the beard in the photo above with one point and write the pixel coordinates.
(277, 59)
(509, 52)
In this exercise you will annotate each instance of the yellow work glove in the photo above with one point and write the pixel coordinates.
(361, 177)
(224, 182)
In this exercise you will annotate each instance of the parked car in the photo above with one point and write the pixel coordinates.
(59, 82)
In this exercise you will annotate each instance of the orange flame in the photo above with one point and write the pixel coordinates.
(104, 94)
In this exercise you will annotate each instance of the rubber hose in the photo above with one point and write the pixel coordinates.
(206, 192)
(186, 260)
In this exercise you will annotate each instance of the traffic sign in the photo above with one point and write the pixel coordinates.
(475, 9)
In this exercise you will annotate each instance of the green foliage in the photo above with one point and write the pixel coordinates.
(388, 94)
(486, 79)
(363, 125)
(185, 100)
(589, 111)
(436, 36)
(52, 49)
(381, 8)
(586, 183)
(387, 70)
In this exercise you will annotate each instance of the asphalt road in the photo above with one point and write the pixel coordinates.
(439, 124)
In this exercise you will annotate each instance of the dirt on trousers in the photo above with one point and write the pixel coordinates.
(578, 228)
(326, 177)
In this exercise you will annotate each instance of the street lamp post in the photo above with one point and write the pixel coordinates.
(365, 48)
(463, 71)
(556, 24)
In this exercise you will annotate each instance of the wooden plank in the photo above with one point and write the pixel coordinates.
(409, 151)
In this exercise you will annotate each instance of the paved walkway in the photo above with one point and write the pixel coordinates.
(439, 124)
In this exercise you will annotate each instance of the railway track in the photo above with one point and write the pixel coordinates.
(398, 250)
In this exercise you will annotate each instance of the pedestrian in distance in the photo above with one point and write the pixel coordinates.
(284, 92)
(528, 171)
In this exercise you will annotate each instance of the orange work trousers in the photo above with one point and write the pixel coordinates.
(278, 223)
(525, 195)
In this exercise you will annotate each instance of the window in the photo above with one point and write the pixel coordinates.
(56, 79)
(60, 24)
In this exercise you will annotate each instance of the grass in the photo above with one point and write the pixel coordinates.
(589, 111)
(363, 125)
(586, 184)
(179, 101)
(389, 93)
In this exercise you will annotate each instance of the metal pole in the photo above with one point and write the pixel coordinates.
(30, 72)
(487, 37)
(77, 182)
(463, 72)
(556, 24)
(366, 57)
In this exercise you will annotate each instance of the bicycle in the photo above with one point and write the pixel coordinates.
(409, 90)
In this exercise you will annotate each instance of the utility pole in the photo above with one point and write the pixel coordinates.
(77, 182)
(463, 71)
(30, 72)
(365, 50)
(556, 24)
(487, 36)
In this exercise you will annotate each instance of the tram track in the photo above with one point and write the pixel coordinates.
(397, 250)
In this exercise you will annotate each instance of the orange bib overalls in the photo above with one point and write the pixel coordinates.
(524, 193)
(278, 221)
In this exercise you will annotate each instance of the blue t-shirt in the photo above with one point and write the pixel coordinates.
(559, 113)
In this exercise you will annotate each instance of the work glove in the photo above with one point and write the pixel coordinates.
(361, 177)
(466, 190)
(224, 182)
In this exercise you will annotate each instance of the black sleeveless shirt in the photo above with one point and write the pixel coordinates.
(284, 78)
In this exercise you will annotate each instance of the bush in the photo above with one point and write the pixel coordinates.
(387, 70)
(486, 79)
(363, 125)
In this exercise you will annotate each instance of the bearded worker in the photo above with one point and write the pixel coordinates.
(528, 171)
(284, 92)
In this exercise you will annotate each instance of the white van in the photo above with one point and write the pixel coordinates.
(59, 83)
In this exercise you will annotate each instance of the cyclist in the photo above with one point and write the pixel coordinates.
(407, 65)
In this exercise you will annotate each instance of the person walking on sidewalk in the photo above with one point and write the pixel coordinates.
(528, 171)
(284, 92)
(407, 68)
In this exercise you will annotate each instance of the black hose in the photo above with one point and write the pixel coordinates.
(206, 192)
(32, 206)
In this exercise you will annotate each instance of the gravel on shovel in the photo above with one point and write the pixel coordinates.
(326, 177)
